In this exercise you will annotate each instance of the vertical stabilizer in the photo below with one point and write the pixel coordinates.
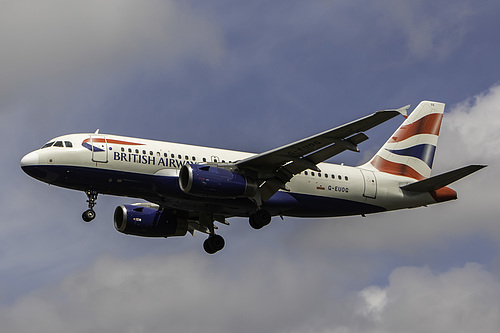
(410, 150)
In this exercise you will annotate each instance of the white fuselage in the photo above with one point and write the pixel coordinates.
(117, 165)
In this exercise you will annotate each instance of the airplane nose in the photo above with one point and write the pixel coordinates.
(30, 159)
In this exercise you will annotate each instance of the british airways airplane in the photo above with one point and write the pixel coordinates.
(189, 188)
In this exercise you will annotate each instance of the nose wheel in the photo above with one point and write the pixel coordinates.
(89, 214)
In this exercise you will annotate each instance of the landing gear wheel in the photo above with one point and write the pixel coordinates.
(260, 219)
(88, 215)
(213, 244)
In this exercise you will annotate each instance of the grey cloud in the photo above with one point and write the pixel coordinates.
(429, 32)
(462, 299)
(61, 40)
(186, 292)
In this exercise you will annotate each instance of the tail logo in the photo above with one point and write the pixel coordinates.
(410, 151)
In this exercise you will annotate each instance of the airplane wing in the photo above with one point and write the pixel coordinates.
(276, 167)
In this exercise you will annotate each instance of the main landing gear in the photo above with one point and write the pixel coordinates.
(89, 214)
(214, 243)
(260, 219)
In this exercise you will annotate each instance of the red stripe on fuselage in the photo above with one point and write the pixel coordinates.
(429, 124)
(118, 142)
(383, 165)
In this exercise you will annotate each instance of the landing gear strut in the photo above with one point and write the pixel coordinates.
(260, 219)
(89, 214)
(214, 243)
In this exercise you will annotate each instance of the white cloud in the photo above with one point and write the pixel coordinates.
(470, 129)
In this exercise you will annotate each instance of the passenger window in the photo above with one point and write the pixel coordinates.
(165, 155)
(340, 177)
(130, 150)
(172, 155)
(48, 144)
(68, 144)
(306, 173)
(312, 173)
(326, 175)
(346, 178)
(123, 149)
(150, 152)
(204, 159)
(333, 176)
(58, 144)
(144, 152)
(137, 151)
(194, 158)
(186, 157)
(319, 174)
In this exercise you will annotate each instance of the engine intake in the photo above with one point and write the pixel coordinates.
(211, 181)
(148, 222)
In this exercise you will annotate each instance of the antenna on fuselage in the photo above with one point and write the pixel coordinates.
(97, 131)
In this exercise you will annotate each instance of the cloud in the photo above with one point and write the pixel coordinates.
(470, 129)
(186, 292)
(190, 292)
(462, 299)
(61, 40)
(429, 32)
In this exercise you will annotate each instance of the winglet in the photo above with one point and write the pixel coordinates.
(404, 110)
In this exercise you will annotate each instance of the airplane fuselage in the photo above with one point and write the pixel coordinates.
(148, 169)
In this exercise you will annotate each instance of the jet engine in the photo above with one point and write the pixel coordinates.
(211, 181)
(148, 222)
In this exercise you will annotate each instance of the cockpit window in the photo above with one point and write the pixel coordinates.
(66, 144)
(48, 144)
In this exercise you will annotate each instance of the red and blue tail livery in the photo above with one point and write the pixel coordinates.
(410, 150)
(186, 188)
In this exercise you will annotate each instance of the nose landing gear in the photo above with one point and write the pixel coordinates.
(89, 214)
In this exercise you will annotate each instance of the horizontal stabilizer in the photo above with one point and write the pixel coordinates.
(439, 181)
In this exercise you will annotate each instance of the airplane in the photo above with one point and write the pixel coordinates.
(189, 188)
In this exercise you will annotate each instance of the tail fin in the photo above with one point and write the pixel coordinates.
(410, 150)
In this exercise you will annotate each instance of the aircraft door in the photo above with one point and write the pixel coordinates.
(99, 148)
(370, 181)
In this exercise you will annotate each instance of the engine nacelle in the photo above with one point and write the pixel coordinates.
(148, 222)
(211, 181)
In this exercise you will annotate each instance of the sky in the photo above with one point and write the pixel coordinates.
(251, 76)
